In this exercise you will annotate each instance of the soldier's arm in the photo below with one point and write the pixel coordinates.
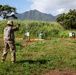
(15, 28)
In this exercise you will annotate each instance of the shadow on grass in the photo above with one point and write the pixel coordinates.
(33, 61)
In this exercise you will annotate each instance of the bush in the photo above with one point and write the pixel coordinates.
(64, 34)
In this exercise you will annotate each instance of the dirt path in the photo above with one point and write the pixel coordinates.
(57, 72)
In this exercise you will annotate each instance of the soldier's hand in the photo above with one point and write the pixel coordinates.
(19, 25)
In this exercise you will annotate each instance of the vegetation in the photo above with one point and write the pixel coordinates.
(6, 10)
(49, 29)
(37, 58)
(68, 20)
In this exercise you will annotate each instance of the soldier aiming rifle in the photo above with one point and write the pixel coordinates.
(9, 41)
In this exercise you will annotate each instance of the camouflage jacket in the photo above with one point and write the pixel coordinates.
(11, 33)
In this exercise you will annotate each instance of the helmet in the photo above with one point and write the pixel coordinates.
(10, 22)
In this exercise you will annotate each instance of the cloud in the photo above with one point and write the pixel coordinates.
(60, 10)
(53, 6)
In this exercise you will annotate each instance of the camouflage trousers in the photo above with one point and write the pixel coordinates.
(9, 45)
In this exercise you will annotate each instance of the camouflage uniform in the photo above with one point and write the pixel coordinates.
(10, 43)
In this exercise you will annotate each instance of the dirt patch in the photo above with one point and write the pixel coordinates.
(29, 40)
(57, 72)
(18, 38)
(1, 39)
(33, 40)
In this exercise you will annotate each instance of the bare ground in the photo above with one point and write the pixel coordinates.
(57, 72)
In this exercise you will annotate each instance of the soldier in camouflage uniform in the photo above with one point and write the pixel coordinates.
(9, 41)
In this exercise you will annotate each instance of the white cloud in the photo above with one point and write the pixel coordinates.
(61, 10)
(53, 6)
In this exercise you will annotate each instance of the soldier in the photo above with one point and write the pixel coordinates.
(9, 41)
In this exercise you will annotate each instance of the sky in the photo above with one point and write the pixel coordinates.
(53, 7)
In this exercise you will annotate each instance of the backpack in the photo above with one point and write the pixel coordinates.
(7, 33)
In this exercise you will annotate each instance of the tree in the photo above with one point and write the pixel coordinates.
(68, 20)
(7, 11)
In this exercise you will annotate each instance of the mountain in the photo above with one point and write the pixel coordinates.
(36, 15)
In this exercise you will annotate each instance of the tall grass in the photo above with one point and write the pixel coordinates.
(49, 29)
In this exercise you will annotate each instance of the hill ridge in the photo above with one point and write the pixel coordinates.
(36, 15)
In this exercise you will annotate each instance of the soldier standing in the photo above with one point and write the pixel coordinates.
(9, 41)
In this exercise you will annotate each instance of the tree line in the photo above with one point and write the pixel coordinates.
(68, 20)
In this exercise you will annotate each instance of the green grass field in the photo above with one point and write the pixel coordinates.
(39, 57)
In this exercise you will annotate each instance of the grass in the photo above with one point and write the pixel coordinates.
(37, 58)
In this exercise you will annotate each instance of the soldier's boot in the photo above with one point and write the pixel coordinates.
(13, 57)
(3, 56)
